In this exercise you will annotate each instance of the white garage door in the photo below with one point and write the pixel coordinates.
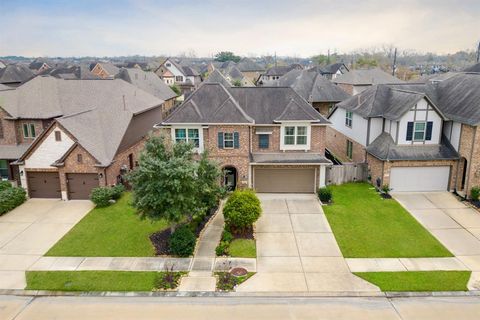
(419, 178)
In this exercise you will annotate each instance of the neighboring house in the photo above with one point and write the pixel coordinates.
(14, 75)
(71, 73)
(217, 77)
(39, 66)
(231, 73)
(269, 139)
(105, 70)
(71, 136)
(3, 64)
(274, 73)
(250, 69)
(313, 87)
(355, 81)
(414, 137)
(474, 68)
(185, 77)
(334, 70)
(151, 83)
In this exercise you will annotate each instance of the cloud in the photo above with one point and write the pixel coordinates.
(302, 28)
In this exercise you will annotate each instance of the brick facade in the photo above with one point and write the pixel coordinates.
(337, 144)
(323, 107)
(469, 151)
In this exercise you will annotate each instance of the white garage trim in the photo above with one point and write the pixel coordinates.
(419, 178)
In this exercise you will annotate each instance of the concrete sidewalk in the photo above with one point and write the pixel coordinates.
(30, 230)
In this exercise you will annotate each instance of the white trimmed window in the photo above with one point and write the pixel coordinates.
(419, 131)
(29, 130)
(228, 140)
(188, 135)
(295, 137)
(348, 118)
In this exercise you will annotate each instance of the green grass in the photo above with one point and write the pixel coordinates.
(367, 226)
(418, 280)
(91, 280)
(243, 248)
(114, 231)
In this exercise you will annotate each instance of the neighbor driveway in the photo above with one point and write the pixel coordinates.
(29, 231)
(454, 224)
(296, 249)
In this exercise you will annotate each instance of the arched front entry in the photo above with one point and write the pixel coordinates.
(230, 178)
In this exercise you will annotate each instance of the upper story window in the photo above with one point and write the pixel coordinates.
(295, 135)
(228, 140)
(263, 141)
(29, 130)
(190, 135)
(58, 136)
(348, 118)
(79, 158)
(168, 64)
(179, 78)
(419, 131)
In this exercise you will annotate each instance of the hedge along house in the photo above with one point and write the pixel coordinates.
(269, 139)
(95, 133)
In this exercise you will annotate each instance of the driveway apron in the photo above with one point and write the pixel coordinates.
(297, 251)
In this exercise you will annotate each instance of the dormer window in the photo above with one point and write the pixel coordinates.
(295, 135)
(419, 131)
(29, 130)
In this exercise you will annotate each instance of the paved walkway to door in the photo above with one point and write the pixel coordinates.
(29, 231)
(454, 224)
(296, 249)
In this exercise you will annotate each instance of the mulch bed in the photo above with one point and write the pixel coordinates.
(160, 241)
(244, 234)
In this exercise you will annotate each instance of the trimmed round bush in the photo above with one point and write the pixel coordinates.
(11, 198)
(325, 194)
(475, 193)
(116, 191)
(182, 242)
(101, 196)
(241, 210)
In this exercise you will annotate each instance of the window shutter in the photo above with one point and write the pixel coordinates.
(409, 131)
(236, 140)
(428, 134)
(220, 140)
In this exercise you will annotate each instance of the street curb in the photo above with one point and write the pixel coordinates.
(46, 293)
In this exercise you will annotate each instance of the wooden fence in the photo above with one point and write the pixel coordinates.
(347, 172)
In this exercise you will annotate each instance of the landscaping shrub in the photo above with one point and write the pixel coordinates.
(241, 210)
(182, 242)
(222, 248)
(11, 198)
(101, 196)
(475, 193)
(116, 191)
(325, 194)
(5, 185)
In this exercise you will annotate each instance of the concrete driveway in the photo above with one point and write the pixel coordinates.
(29, 231)
(297, 251)
(454, 224)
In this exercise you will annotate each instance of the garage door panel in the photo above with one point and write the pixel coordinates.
(284, 180)
(419, 178)
(43, 185)
(81, 184)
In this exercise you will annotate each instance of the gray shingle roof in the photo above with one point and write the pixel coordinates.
(474, 68)
(12, 152)
(213, 103)
(72, 72)
(384, 148)
(289, 157)
(217, 77)
(281, 70)
(366, 77)
(246, 64)
(312, 86)
(148, 82)
(333, 68)
(16, 73)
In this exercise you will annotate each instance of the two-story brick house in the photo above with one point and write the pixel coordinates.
(72, 135)
(414, 137)
(269, 139)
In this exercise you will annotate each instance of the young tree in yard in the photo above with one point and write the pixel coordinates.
(169, 183)
(162, 183)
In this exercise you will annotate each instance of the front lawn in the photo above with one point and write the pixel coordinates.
(367, 226)
(243, 248)
(418, 280)
(113, 231)
(95, 280)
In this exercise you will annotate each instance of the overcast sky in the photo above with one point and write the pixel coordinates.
(300, 28)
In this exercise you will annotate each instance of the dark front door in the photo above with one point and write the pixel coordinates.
(230, 178)
(43, 185)
(80, 185)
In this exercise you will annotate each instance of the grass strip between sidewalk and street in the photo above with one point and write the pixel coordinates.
(368, 226)
(418, 280)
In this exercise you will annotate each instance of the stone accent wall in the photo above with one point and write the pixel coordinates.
(9, 133)
(381, 169)
(337, 144)
(470, 150)
(121, 159)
